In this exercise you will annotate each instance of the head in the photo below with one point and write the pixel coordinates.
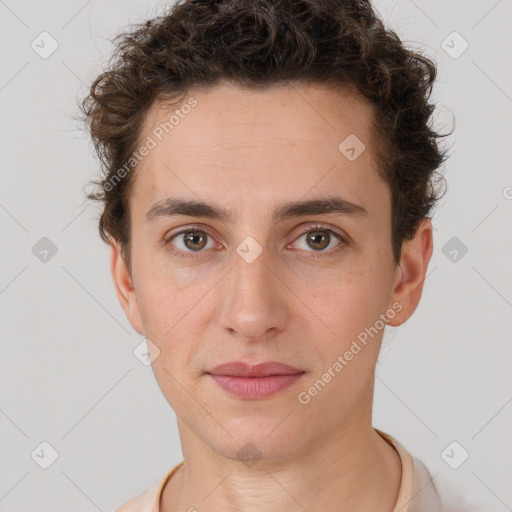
(269, 176)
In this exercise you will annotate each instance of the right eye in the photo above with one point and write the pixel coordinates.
(190, 240)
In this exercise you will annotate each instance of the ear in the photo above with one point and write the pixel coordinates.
(411, 271)
(124, 287)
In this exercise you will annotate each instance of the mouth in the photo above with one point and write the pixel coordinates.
(255, 381)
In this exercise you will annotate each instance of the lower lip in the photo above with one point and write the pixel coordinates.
(255, 387)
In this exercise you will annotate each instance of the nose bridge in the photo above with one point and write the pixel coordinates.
(253, 303)
(251, 272)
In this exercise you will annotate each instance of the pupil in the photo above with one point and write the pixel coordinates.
(193, 238)
(314, 236)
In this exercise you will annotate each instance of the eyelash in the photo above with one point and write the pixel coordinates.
(193, 255)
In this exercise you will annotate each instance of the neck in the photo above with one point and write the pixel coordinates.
(352, 470)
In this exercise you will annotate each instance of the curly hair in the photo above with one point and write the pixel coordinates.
(259, 44)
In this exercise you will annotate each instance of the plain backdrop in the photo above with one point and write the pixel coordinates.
(68, 375)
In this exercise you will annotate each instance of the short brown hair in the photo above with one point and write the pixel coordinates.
(259, 44)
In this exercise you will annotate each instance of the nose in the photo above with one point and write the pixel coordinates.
(254, 300)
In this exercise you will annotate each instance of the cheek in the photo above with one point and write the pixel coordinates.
(160, 307)
(348, 300)
(351, 308)
(174, 314)
(168, 315)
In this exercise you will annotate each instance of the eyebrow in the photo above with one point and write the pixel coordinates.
(174, 206)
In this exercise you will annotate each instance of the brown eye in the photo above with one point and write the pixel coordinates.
(317, 239)
(190, 240)
(195, 240)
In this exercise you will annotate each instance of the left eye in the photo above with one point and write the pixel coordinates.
(318, 239)
(194, 240)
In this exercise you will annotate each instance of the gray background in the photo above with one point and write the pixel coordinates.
(68, 373)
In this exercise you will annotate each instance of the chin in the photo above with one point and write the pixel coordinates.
(258, 437)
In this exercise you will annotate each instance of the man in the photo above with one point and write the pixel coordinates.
(268, 180)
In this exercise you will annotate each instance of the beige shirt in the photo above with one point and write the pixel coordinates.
(417, 491)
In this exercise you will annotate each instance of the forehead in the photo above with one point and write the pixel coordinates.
(243, 146)
(305, 115)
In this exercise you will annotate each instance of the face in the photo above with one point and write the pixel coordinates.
(269, 280)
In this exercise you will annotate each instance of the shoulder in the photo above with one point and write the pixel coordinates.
(424, 493)
(418, 492)
(149, 500)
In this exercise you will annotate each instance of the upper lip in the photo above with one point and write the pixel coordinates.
(241, 369)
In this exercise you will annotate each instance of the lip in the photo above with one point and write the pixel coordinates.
(255, 381)
(241, 369)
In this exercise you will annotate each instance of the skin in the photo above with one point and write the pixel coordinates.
(249, 152)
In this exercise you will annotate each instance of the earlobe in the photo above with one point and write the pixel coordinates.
(124, 288)
(411, 272)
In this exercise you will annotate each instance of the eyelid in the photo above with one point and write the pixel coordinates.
(318, 225)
